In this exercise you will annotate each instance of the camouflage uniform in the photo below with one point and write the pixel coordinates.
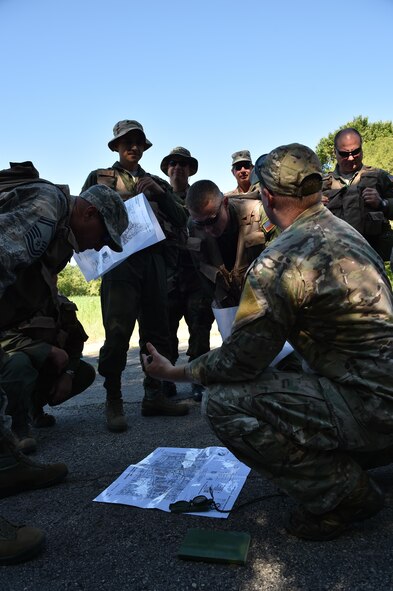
(253, 191)
(322, 288)
(222, 262)
(36, 242)
(186, 297)
(346, 202)
(5, 420)
(137, 288)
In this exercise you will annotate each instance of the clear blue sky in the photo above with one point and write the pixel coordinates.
(214, 76)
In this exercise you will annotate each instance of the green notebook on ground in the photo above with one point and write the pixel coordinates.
(209, 545)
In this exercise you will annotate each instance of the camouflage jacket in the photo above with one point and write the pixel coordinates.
(36, 242)
(253, 230)
(321, 287)
(169, 210)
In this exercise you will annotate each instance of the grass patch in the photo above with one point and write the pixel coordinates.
(89, 314)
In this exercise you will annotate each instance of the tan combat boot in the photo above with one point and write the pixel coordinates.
(18, 473)
(160, 406)
(19, 543)
(115, 419)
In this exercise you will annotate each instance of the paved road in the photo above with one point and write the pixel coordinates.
(94, 546)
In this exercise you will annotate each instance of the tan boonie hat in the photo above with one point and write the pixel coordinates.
(242, 156)
(111, 207)
(179, 153)
(122, 128)
(289, 170)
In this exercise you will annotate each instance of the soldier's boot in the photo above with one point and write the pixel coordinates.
(115, 418)
(159, 405)
(365, 501)
(169, 389)
(18, 473)
(19, 543)
(41, 419)
(26, 442)
(197, 391)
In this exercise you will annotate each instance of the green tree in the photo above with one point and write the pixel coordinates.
(71, 282)
(377, 138)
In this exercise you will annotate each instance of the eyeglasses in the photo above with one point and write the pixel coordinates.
(353, 153)
(181, 163)
(240, 165)
(197, 504)
(210, 221)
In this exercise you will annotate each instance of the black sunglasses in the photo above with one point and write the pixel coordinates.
(199, 503)
(353, 153)
(240, 165)
(210, 221)
(181, 163)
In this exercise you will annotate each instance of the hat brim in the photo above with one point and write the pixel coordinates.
(112, 144)
(114, 241)
(192, 162)
(254, 177)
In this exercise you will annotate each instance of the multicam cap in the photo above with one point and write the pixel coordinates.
(289, 170)
(242, 156)
(182, 154)
(111, 207)
(122, 128)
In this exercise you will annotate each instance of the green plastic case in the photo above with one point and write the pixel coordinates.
(215, 546)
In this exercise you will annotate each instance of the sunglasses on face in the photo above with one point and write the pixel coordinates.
(210, 221)
(353, 153)
(181, 163)
(240, 165)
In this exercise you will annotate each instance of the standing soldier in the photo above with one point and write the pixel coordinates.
(186, 296)
(137, 288)
(226, 235)
(359, 194)
(242, 168)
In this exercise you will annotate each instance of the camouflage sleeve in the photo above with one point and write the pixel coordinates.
(90, 181)
(173, 209)
(27, 227)
(264, 320)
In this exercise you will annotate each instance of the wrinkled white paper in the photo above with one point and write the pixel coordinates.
(143, 230)
(225, 317)
(171, 474)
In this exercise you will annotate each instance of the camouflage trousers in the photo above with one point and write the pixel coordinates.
(195, 306)
(5, 420)
(296, 429)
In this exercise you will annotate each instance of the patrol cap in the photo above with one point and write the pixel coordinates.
(289, 170)
(181, 154)
(111, 207)
(242, 156)
(122, 128)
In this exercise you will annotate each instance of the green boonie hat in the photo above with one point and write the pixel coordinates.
(180, 154)
(111, 207)
(286, 169)
(122, 128)
(242, 156)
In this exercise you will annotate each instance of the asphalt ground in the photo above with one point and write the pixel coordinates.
(93, 546)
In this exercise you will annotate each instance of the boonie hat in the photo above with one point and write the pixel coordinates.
(111, 207)
(289, 170)
(180, 153)
(242, 156)
(122, 128)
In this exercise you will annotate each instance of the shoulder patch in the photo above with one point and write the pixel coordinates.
(39, 237)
